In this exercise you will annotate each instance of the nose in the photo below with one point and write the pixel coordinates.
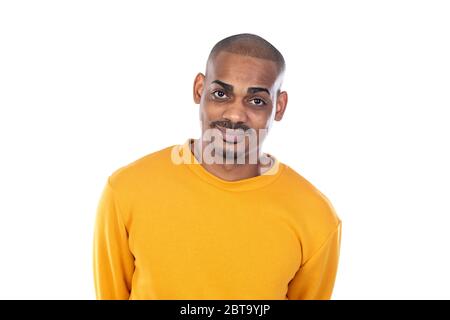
(235, 113)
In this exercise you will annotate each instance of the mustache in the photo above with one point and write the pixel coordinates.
(229, 125)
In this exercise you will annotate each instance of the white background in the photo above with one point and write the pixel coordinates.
(89, 86)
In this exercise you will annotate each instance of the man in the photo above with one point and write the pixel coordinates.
(215, 217)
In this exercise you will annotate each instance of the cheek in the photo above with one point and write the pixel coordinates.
(210, 112)
(206, 117)
(260, 119)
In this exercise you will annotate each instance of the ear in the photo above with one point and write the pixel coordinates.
(282, 101)
(198, 87)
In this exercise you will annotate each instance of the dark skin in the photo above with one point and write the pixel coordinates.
(239, 92)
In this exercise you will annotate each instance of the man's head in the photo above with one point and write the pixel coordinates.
(241, 89)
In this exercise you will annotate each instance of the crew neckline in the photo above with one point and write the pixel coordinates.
(269, 176)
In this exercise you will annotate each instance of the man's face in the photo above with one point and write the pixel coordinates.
(237, 94)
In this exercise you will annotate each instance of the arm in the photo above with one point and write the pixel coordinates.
(315, 278)
(113, 261)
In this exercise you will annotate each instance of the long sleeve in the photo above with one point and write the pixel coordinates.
(315, 278)
(113, 261)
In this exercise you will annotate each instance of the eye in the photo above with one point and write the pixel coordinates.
(258, 102)
(219, 94)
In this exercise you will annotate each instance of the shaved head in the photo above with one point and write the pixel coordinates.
(248, 44)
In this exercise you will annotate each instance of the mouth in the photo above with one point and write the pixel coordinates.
(230, 135)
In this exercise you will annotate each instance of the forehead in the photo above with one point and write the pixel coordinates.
(242, 70)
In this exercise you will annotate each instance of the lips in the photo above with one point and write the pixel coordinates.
(230, 135)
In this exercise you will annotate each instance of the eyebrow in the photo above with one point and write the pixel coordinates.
(252, 90)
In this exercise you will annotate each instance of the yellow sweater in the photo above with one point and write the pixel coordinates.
(175, 231)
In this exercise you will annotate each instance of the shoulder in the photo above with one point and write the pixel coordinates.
(311, 209)
(309, 196)
(142, 170)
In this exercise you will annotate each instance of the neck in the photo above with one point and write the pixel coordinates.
(233, 171)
